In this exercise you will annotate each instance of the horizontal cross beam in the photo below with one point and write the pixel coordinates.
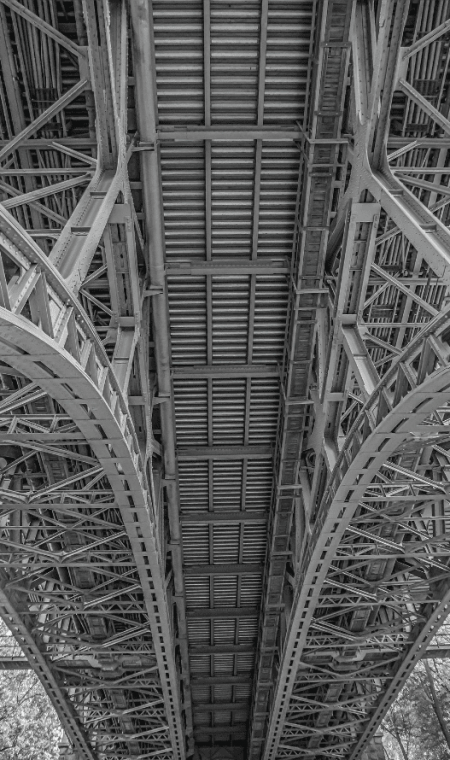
(225, 452)
(14, 663)
(224, 517)
(197, 134)
(223, 648)
(226, 569)
(226, 370)
(228, 266)
(222, 612)
(221, 680)
(436, 653)
(233, 730)
(219, 706)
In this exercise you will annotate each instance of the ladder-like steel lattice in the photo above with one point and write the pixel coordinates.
(224, 367)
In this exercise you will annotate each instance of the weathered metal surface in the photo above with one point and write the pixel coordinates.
(82, 548)
(224, 363)
(371, 582)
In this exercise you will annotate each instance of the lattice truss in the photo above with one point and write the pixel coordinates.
(82, 517)
(290, 558)
(370, 576)
(232, 83)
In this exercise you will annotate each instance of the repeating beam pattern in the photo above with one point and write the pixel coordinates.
(371, 572)
(224, 367)
(83, 575)
(229, 164)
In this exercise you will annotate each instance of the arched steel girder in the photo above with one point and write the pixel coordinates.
(318, 708)
(71, 366)
(100, 653)
(73, 253)
(322, 154)
(376, 436)
(65, 711)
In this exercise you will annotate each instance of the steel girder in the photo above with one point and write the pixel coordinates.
(82, 544)
(371, 584)
(321, 159)
(226, 146)
(109, 592)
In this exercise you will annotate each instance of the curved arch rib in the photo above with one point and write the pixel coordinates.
(371, 586)
(378, 433)
(71, 366)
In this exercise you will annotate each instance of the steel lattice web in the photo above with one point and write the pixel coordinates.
(224, 367)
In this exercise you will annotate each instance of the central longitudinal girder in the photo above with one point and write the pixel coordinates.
(224, 366)
(84, 584)
(372, 583)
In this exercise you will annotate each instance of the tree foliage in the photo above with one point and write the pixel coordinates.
(29, 726)
(417, 726)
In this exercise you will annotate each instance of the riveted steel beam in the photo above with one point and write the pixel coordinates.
(224, 569)
(221, 612)
(196, 134)
(217, 706)
(306, 335)
(228, 370)
(223, 517)
(371, 550)
(222, 680)
(141, 15)
(218, 731)
(223, 648)
(224, 452)
(43, 118)
(228, 266)
(43, 26)
(82, 566)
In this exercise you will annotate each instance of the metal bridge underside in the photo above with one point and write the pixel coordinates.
(224, 367)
